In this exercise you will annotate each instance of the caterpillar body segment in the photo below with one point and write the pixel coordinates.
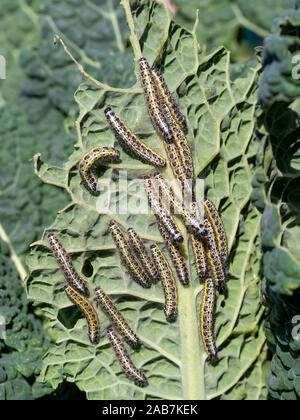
(131, 142)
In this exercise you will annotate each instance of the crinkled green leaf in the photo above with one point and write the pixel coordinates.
(220, 118)
(252, 387)
(276, 194)
(277, 83)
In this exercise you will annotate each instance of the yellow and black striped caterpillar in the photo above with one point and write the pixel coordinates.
(178, 170)
(113, 313)
(130, 141)
(198, 246)
(141, 252)
(133, 265)
(183, 168)
(152, 99)
(180, 140)
(175, 255)
(168, 196)
(131, 371)
(66, 265)
(161, 211)
(90, 159)
(168, 282)
(213, 258)
(88, 311)
(207, 316)
(168, 98)
(216, 222)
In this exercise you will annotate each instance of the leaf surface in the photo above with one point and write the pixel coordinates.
(221, 135)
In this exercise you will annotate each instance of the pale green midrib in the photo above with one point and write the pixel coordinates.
(192, 368)
(192, 358)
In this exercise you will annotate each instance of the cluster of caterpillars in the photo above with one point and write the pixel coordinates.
(78, 292)
(206, 233)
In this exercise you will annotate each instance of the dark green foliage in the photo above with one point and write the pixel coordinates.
(281, 79)
(19, 29)
(283, 334)
(25, 342)
(26, 203)
(276, 194)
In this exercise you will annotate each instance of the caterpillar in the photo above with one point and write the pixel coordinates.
(131, 371)
(207, 316)
(213, 257)
(160, 210)
(168, 282)
(168, 98)
(88, 310)
(175, 255)
(190, 221)
(180, 140)
(130, 141)
(152, 99)
(141, 252)
(198, 246)
(127, 257)
(178, 170)
(113, 313)
(65, 263)
(88, 162)
(213, 216)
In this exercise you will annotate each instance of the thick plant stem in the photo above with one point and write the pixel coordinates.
(192, 355)
(192, 367)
